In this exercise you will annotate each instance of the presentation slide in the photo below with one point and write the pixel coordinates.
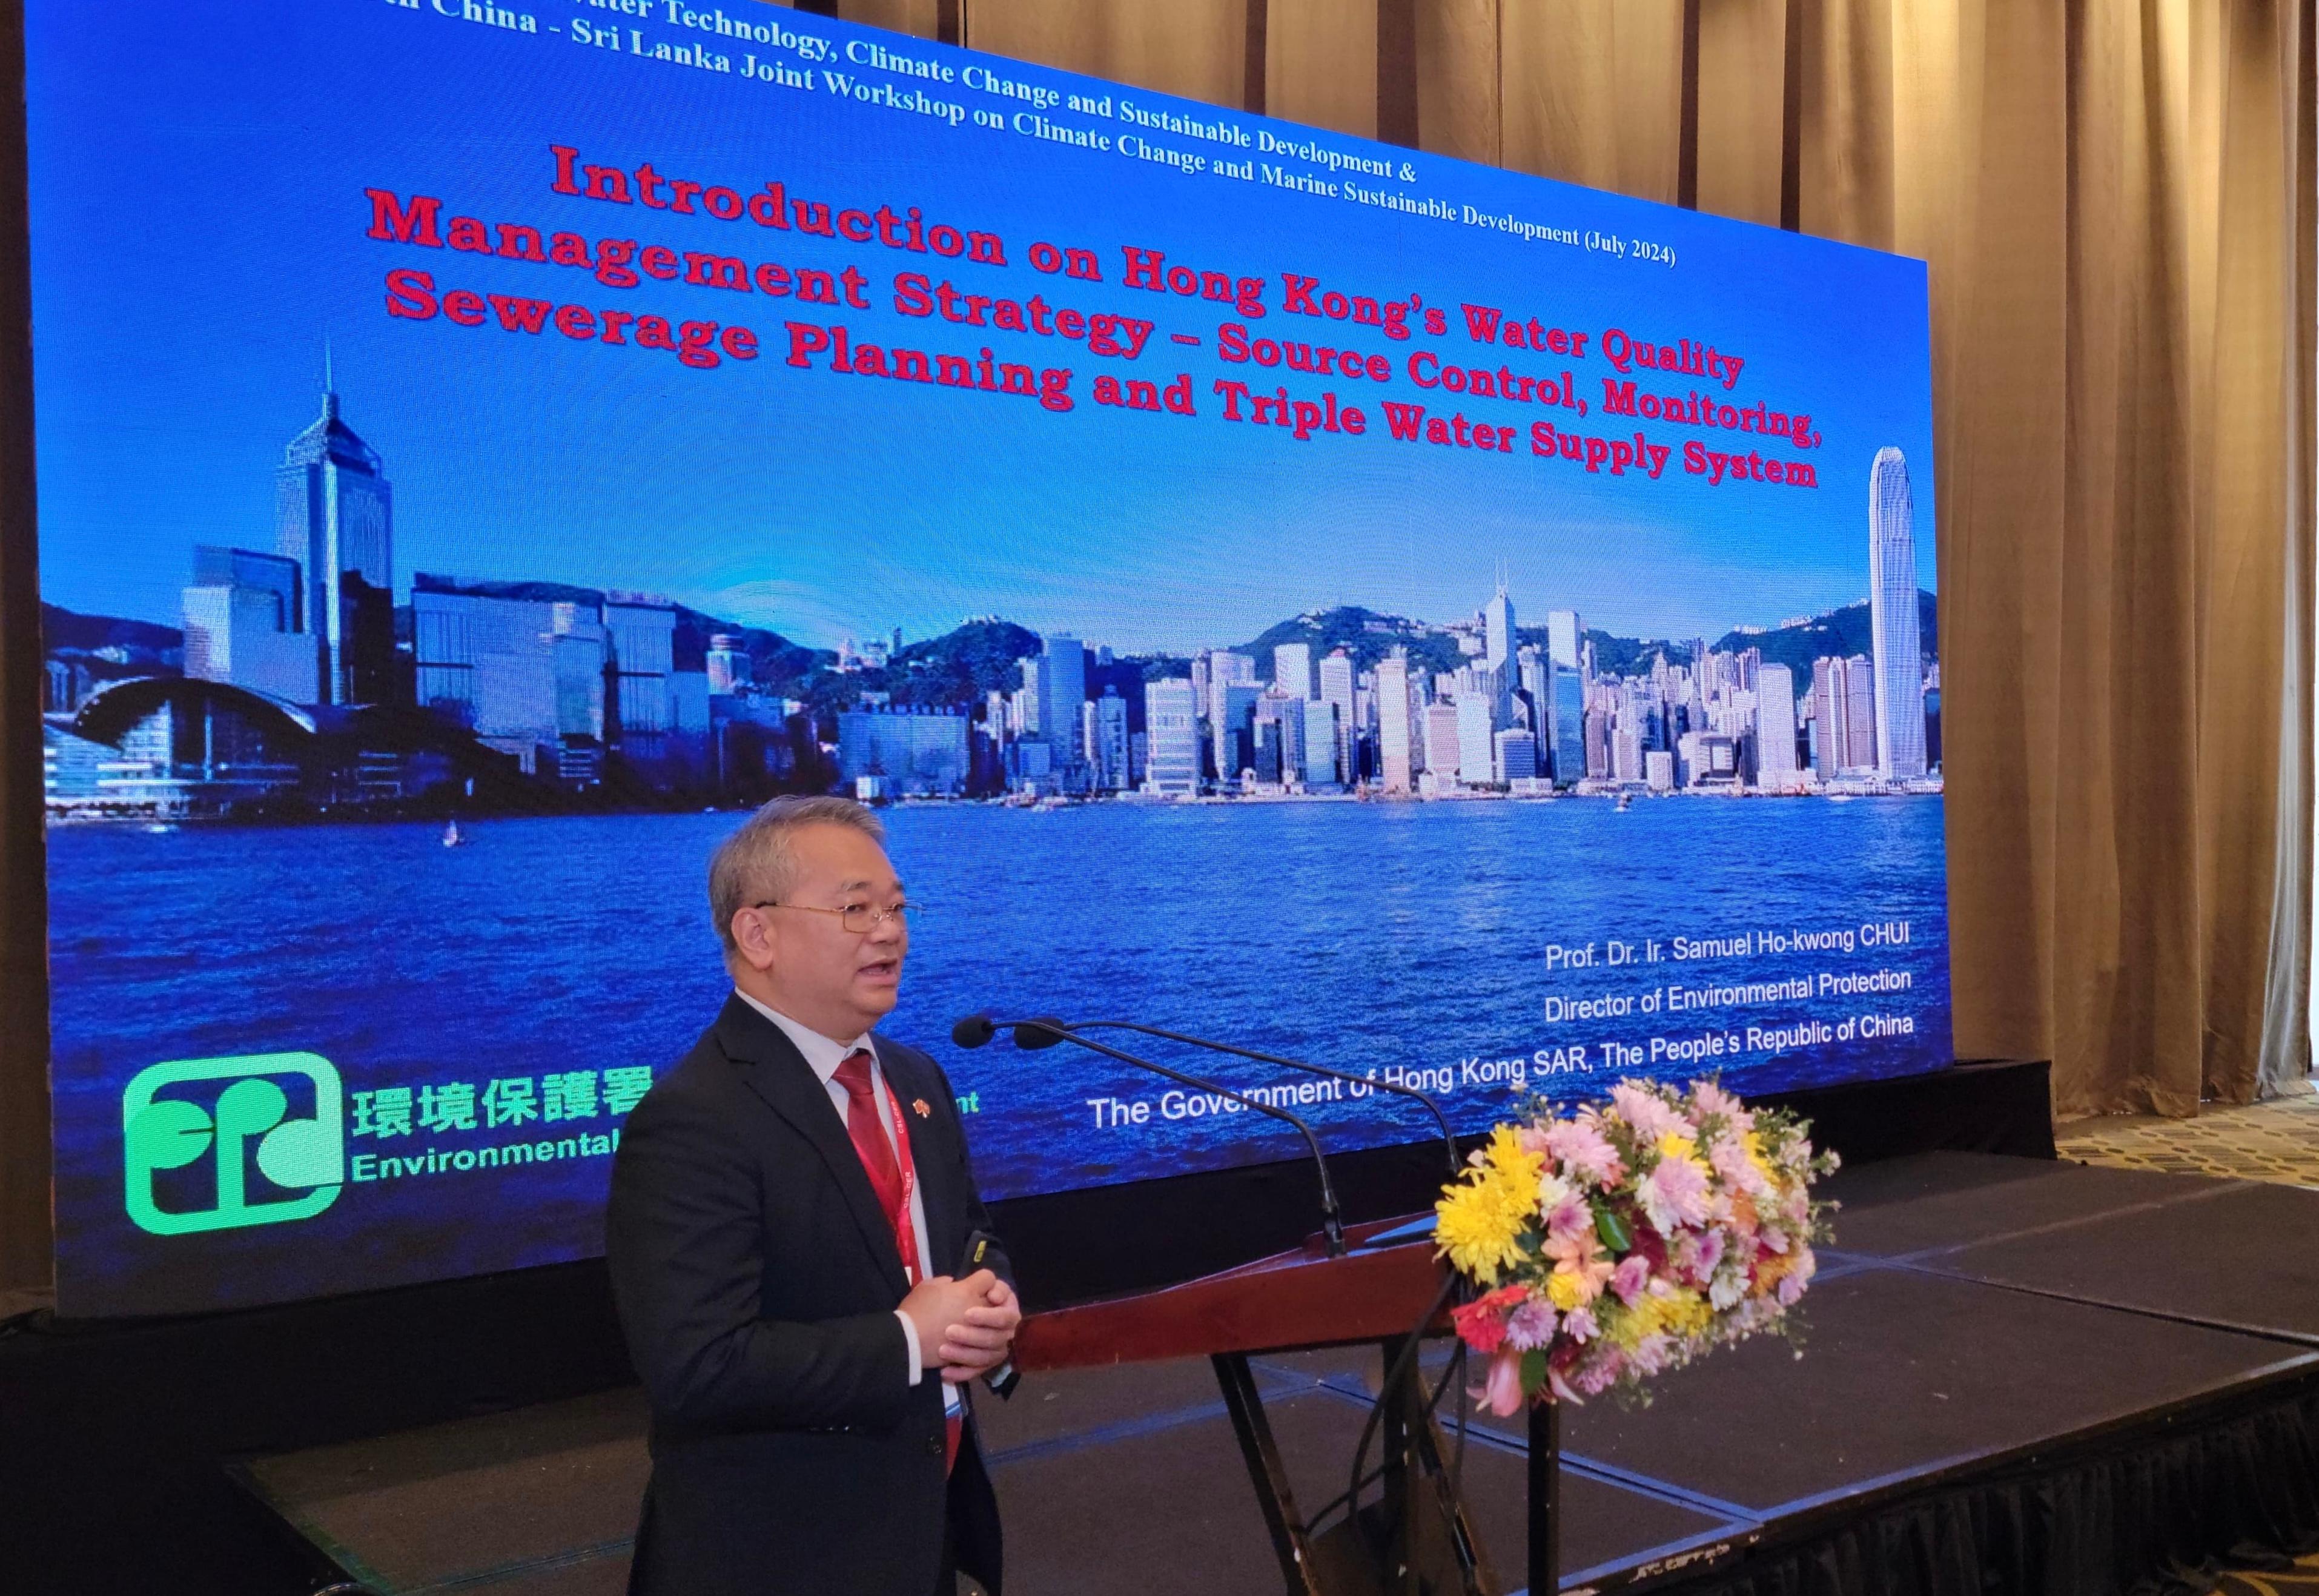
(1465, 629)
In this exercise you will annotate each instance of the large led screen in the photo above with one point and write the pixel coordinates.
(1462, 628)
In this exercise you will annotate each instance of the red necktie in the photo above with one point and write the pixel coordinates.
(876, 1152)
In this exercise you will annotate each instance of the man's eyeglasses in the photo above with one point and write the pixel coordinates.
(860, 918)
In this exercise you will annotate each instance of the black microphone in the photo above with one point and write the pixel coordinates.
(1038, 1031)
(1448, 1136)
(1035, 1034)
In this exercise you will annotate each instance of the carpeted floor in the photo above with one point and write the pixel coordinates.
(2277, 1140)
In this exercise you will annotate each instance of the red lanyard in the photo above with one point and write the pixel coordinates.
(906, 1230)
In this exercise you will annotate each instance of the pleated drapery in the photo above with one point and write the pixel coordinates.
(2114, 197)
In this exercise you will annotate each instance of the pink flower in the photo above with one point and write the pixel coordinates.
(1533, 1138)
(1792, 1283)
(1530, 1326)
(1569, 1223)
(1696, 1253)
(1588, 1273)
(1710, 1101)
(1579, 1324)
(1648, 1113)
(1728, 1154)
(1601, 1373)
(1631, 1279)
(1583, 1152)
(1675, 1194)
(1580, 1267)
(1710, 1252)
(1501, 1391)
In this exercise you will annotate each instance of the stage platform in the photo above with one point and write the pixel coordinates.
(2062, 1377)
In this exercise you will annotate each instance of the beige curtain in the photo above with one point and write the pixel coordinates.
(2115, 200)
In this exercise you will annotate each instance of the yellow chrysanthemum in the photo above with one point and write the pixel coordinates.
(1687, 1313)
(1624, 1328)
(1755, 1145)
(1478, 1229)
(1679, 1313)
(1564, 1290)
(1478, 1222)
(1507, 1159)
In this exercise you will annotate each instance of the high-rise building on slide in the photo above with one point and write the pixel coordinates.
(1336, 688)
(1065, 690)
(1478, 762)
(1441, 723)
(1499, 640)
(1393, 721)
(334, 515)
(1775, 729)
(729, 668)
(1321, 743)
(1897, 649)
(243, 623)
(1565, 734)
(1171, 716)
(1292, 668)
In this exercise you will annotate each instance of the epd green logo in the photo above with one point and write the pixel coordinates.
(171, 1132)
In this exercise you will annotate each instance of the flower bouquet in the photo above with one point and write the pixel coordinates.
(1627, 1240)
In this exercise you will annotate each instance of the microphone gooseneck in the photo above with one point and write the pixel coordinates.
(1448, 1136)
(1036, 1032)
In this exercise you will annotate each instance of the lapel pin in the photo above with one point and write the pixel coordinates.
(925, 1112)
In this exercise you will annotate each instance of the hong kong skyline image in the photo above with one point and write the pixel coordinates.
(568, 738)
(291, 658)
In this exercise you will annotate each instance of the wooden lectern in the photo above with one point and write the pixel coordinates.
(1294, 1302)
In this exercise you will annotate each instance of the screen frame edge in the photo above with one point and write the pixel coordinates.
(27, 1217)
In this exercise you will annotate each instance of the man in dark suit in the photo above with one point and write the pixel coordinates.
(788, 1205)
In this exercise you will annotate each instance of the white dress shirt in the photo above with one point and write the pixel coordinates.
(823, 1055)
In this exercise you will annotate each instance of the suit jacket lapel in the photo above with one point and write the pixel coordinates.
(777, 1073)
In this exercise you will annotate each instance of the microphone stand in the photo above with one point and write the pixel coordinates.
(1331, 1219)
(975, 1030)
(1448, 1138)
(1398, 1367)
